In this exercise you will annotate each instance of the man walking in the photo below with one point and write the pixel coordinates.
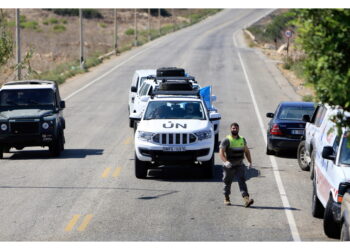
(232, 151)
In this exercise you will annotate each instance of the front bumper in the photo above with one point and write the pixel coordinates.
(26, 140)
(199, 151)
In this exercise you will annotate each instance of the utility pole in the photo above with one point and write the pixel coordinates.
(149, 24)
(135, 29)
(18, 46)
(159, 22)
(81, 39)
(115, 32)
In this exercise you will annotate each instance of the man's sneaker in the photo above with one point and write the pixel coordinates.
(247, 201)
(227, 201)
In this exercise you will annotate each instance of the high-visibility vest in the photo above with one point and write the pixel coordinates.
(236, 147)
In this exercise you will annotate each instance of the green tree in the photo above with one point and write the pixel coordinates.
(324, 36)
(6, 43)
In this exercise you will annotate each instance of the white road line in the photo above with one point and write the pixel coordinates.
(283, 195)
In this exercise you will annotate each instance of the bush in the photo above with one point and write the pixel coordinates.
(103, 25)
(46, 22)
(130, 32)
(59, 28)
(29, 25)
(53, 20)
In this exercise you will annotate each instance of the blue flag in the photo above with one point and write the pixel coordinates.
(206, 94)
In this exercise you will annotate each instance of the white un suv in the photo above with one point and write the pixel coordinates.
(175, 130)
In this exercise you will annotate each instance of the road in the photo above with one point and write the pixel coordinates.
(90, 193)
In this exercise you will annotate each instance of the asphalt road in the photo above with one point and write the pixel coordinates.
(90, 193)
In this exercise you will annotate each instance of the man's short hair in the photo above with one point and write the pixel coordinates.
(234, 124)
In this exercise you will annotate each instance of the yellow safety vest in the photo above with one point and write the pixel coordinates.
(236, 147)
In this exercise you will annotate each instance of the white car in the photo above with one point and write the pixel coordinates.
(332, 176)
(137, 81)
(169, 134)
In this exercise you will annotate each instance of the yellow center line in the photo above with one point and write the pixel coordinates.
(116, 173)
(86, 221)
(127, 141)
(106, 172)
(72, 222)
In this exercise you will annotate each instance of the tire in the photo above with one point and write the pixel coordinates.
(312, 165)
(216, 144)
(1, 152)
(301, 157)
(269, 151)
(131, 123)
(317, 208)
(57, 146)
(140, 168)
(330, 226)
(208, 167)
(344, 233)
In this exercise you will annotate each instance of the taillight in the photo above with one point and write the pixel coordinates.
(275, 130)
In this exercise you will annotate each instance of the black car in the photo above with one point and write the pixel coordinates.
(345, 218)
(31, 115)
(286, 128)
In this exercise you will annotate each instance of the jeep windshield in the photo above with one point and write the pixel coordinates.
(345, 152)
(175, 110)
(26, 97)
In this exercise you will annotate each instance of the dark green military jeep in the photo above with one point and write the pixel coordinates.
(31, 115)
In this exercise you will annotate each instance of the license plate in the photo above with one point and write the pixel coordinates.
(297, 132)
(174, 149)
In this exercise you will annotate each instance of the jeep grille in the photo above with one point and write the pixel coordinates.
(174, 138)
(24, 127)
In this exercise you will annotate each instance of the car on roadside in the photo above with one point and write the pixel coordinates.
(345, 218)
(332, 176)
(285, 130)
(31, 114)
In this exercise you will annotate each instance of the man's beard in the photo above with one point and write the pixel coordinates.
(234, 133)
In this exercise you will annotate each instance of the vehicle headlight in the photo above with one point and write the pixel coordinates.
(145, 136)
(3, 127)
(45, 125)
(202, 135)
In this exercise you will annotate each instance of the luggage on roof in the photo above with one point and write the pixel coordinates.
(170, 71)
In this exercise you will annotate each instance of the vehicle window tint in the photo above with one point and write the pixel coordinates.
(317, 110)
(294, 113)
(345, 152)
(144, 89)
(27, 97)
(320, 116)
(336, 144)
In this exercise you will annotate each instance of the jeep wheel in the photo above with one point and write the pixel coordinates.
(208, 167)
(140, 168)
(316, 207)
(312, 165)
(301, 157)
(330, 226)
(57, 145)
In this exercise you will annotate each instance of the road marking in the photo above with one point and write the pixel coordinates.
(106, 173)
(85, 223)
(128, 140)
(283, 195)
(72, 223)
(117, 171)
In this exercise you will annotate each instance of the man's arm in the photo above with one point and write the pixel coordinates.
(222, 154)
(247, 155)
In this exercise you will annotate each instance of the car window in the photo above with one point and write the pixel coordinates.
(294, 112)
(320, 116)
(27, 97)
(344, 157)
(144, 89)
(175, 110)
(141, 81)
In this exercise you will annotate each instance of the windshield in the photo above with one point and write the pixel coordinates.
(345, 152)
(26, 97)
(294, 113)
(175, 110)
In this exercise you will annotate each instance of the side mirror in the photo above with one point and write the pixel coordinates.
(62, 104)
(270, 115)
(306, 118)
(144, 98)
(133, 89)
(328, 153)
(213, 98)
(214, 116)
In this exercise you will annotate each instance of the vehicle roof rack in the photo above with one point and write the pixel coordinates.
(175, 92)
(29, 82)
(172, 78)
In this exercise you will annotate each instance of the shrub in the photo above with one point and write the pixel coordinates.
(29, 25)
(130, 32)
(59, 28)
(53, 20)
(103, 25)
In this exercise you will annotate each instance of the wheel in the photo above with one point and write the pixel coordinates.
(208, 167)
(316, 207)
(269, 151)
(1, 152)
(330, 226)
(131, 123)
(57, 145)
(312, 165)
(301, 157)
(140, 168)
(344, 233)
(216, 144)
